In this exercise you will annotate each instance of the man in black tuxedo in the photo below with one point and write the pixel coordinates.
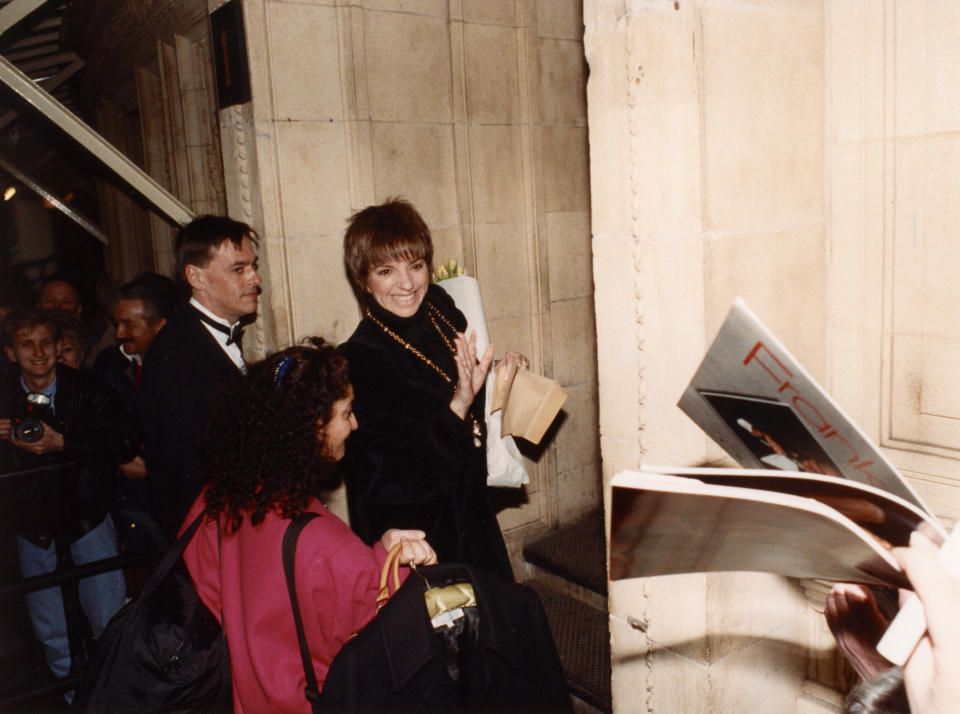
(193, 356)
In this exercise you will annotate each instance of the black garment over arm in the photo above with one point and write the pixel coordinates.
(505, 657)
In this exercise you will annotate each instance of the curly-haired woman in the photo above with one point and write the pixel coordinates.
(272, 446)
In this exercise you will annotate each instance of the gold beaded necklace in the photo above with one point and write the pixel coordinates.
(433, 313)
(413, 350)
(446, 340)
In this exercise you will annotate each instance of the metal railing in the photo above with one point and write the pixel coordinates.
(67, 576)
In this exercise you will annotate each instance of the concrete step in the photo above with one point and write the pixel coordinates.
(583, 643)
(576, 552)
(567, 569)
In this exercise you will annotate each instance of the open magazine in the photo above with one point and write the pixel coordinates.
(682, 520)
(815, 497)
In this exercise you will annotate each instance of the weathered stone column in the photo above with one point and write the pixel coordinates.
(706, 150)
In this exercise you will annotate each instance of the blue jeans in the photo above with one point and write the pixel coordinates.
(100, 595)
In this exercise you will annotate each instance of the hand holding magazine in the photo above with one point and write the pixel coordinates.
(815, 499)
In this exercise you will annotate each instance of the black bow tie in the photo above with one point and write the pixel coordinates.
(234, 334)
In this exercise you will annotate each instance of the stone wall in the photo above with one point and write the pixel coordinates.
(706, 128)
(893, 140)
(149, 90)
(798, 154)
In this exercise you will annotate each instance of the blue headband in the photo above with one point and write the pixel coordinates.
(282, 370)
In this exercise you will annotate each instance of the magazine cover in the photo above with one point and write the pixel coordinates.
(757, 402)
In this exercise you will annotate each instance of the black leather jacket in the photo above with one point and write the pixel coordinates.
(97, 435)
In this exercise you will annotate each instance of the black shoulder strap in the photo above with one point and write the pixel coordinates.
(290, 538)
(171, 556)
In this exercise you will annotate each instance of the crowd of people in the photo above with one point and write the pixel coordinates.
(122, 441)
(170, 420)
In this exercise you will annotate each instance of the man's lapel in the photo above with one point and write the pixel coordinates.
(207, 346)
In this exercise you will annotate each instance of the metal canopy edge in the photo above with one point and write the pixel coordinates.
(15, 10)
(74, 215)
(162, 200)
(129, 172)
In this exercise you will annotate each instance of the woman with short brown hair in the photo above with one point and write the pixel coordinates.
(418, 458)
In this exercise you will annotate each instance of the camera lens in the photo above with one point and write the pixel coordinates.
(28, 430)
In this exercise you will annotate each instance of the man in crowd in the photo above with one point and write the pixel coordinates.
(83, 434)
(192, 357)
(57, 293)
(142, 308)
(62, 298)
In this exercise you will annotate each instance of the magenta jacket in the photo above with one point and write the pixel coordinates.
(337, 578)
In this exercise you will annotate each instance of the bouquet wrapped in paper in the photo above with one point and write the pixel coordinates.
(505, 465)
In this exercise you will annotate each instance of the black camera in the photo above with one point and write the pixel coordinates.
(29, 428)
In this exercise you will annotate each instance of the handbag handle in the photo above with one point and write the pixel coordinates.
(391, 566)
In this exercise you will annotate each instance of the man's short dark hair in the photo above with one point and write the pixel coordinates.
(884, 692)
(196, 242)
(25, 317)
(158, 293)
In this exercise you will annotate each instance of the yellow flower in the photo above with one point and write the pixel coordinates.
(449, 270)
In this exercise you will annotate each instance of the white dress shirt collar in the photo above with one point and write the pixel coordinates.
(232, 350)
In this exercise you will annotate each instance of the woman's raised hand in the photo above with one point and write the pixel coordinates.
(471, 373)
(414, 547)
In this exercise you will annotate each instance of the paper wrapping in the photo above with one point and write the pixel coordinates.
(505, 465)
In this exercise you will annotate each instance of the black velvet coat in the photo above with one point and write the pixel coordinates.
(413, 463)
